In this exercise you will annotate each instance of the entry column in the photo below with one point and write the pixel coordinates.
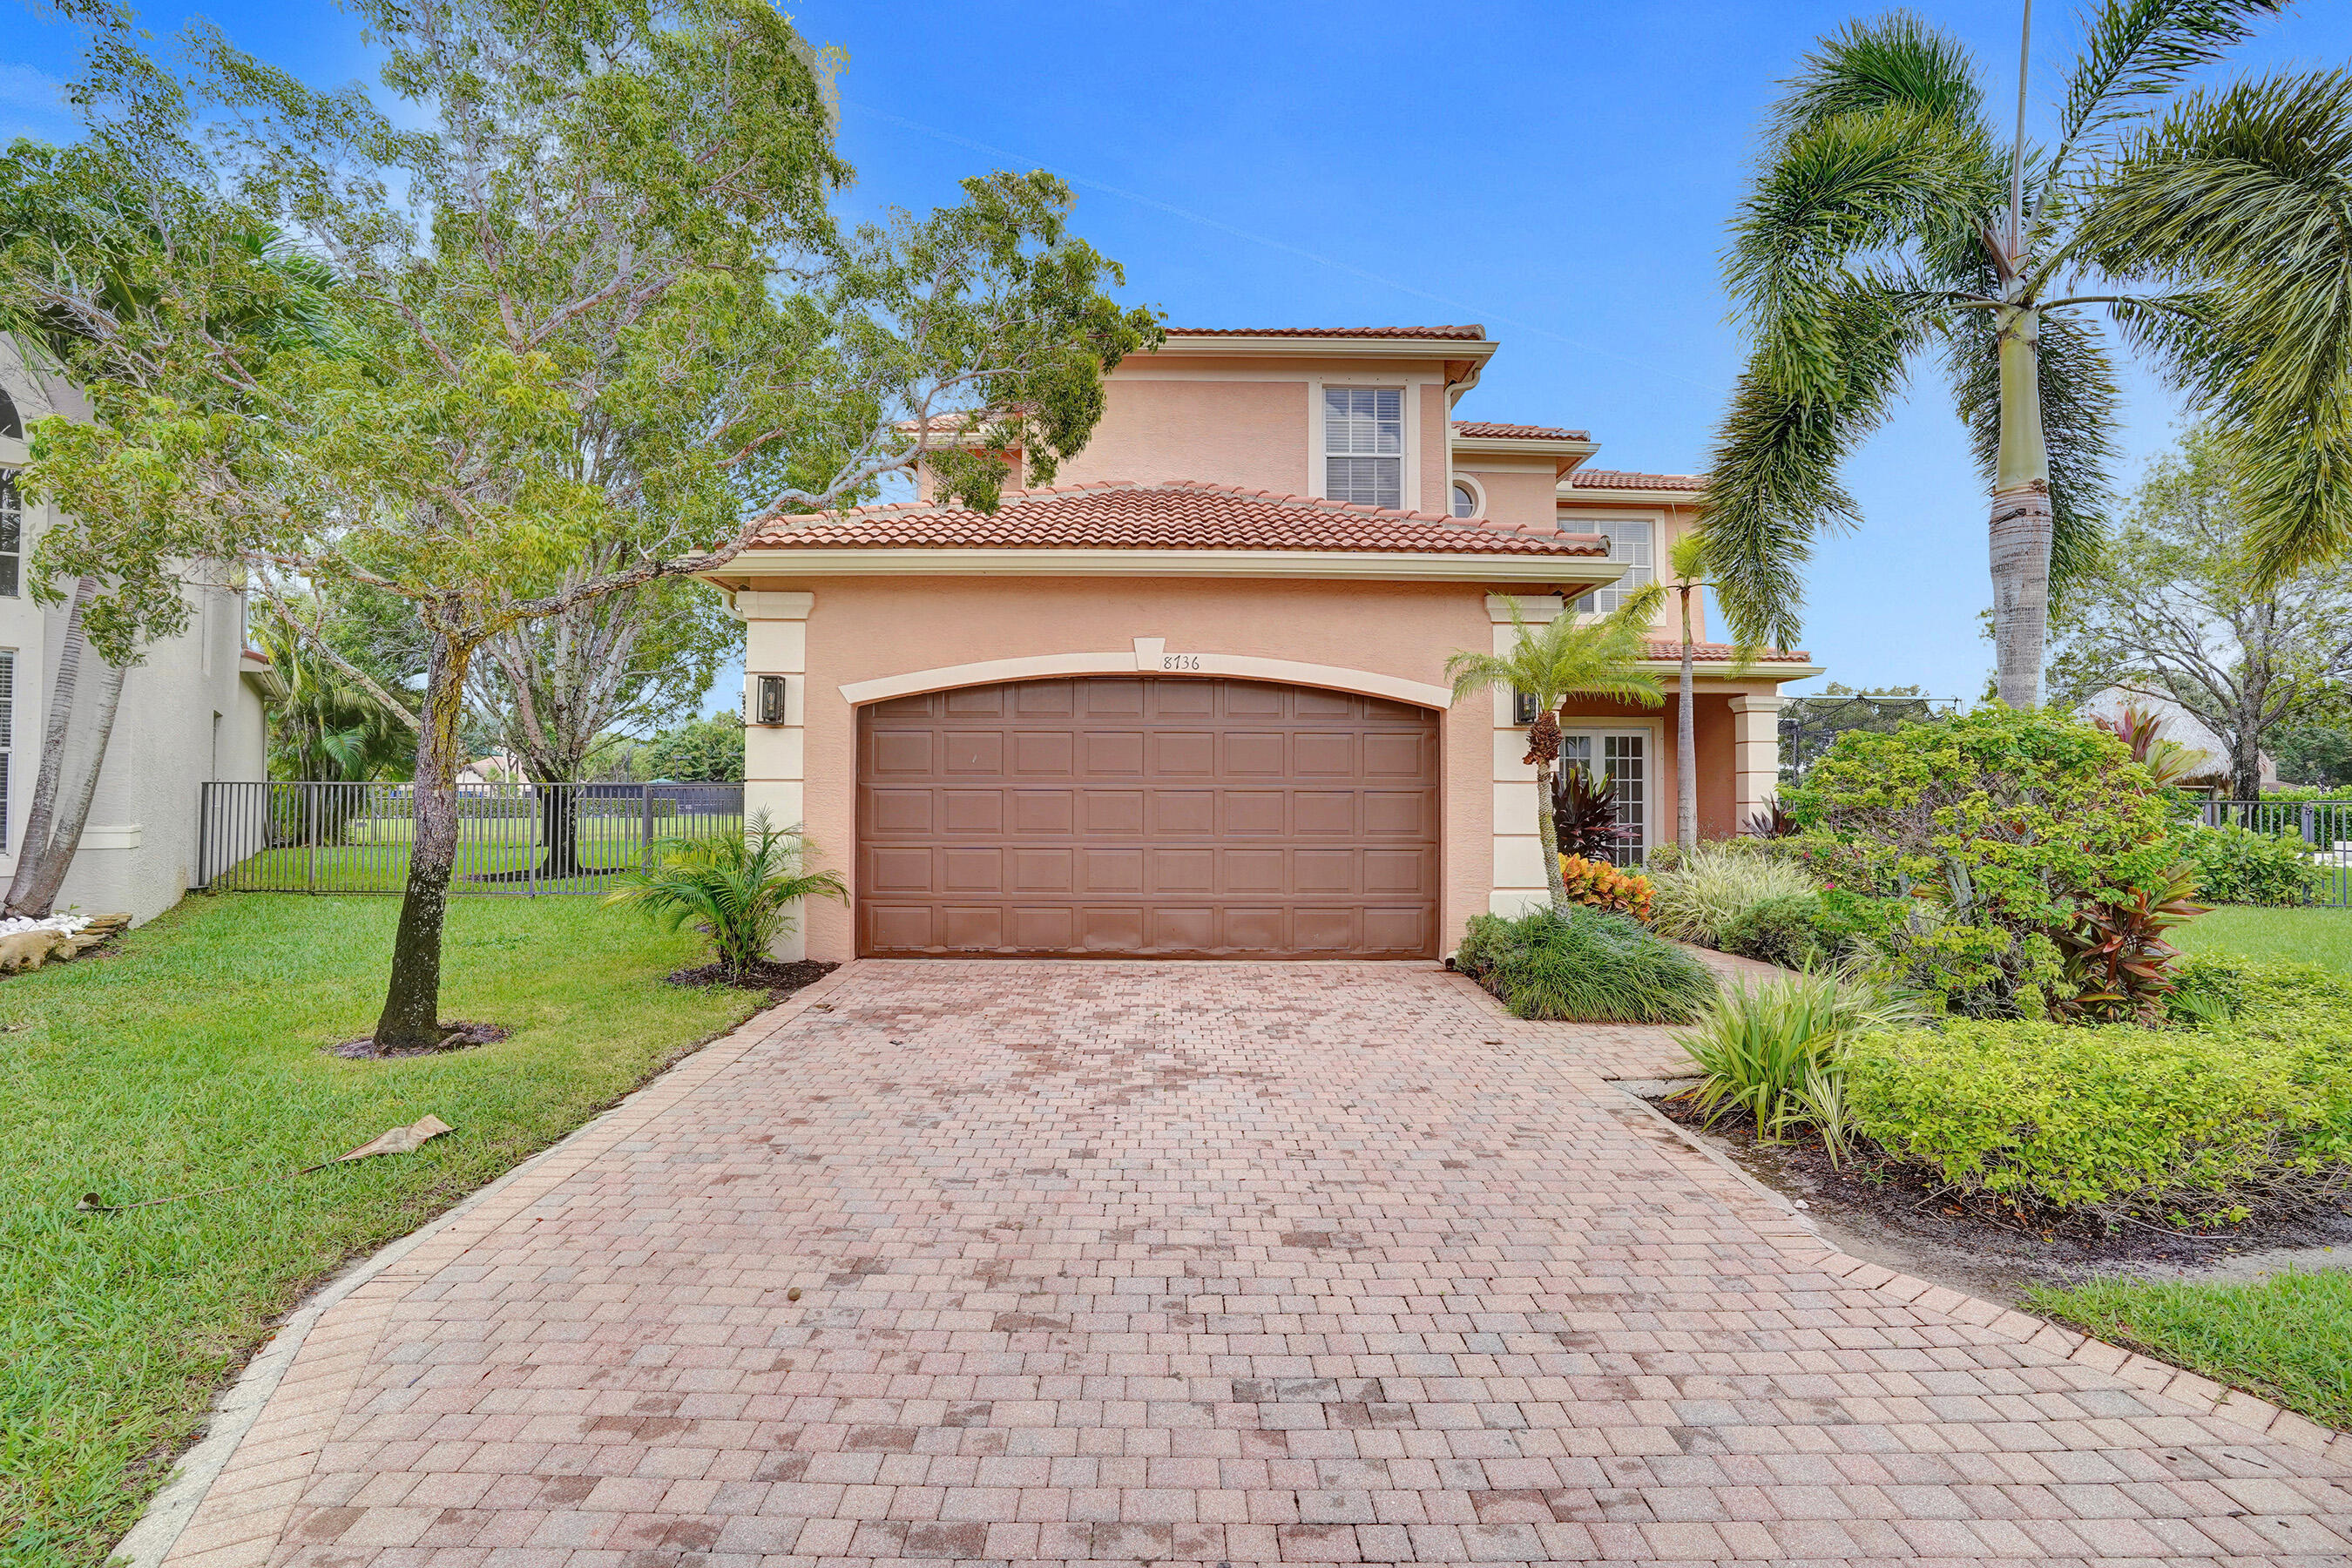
(1755, 754)
(775, 644)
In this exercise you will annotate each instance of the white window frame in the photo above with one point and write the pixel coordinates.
(1594, 603)
(12, 503)
(1653, 745)
(1477, 494)
(1414, 386)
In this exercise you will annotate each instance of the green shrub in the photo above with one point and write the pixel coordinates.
(2191, 1125)
(1776, 1052)
(1998, 826)
(1785, 928)
(1585, 964)
(1715, 882)
(2239, 866)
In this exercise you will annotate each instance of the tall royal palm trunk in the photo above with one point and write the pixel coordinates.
(2022, 520)
(1687, 747)
(411, 1002)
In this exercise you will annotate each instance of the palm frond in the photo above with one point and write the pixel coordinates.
(1570, 656)
(2243, 199)
(1894, 62)
(2136, 51)
(1773, 484)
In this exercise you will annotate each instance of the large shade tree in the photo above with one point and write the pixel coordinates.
(589, 295)
(1889, 218)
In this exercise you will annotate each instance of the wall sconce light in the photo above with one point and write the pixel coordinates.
(770, 707)
(1523, 707)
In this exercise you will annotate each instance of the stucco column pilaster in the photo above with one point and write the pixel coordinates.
(775, 642)
(1519, 882)
(1755, 754)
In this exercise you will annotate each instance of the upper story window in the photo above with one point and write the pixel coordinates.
(1363, 445)
(1628, 542)
(1466, 500)
(12, 535)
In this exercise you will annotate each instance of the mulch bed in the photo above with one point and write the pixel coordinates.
(778, 980)
(1914, 1206)
(457, 1035)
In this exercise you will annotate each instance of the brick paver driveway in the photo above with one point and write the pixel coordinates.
(1206, 1263)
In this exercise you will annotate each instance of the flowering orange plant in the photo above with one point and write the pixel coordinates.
(1606, 886)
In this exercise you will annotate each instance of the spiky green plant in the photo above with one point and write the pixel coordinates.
(1568, 656)
(1584, 964)
(1887, 217)
(1775, 1051)
(1712, 884)
(737, 889)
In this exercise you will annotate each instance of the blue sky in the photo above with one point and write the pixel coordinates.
(1561, 172)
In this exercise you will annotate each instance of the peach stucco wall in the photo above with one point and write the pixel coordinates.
(865, 629)
(1713, 732)
(1252, 433)
(1524, 497)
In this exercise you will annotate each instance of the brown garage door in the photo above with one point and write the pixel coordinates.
(1177, 818)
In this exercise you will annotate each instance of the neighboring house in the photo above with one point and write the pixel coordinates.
(2182, 728)
(1191, 701)
(191, 712)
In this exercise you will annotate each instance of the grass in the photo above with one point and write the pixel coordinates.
(2287, 1338)
(191, 1060)
(369, 854)
(2320, 936)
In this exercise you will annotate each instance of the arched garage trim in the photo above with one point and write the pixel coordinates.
(1148, 658)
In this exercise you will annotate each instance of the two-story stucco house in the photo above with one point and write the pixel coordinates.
(1191, 700)
(193, 710)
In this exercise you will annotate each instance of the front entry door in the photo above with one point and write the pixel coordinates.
(1624, 756)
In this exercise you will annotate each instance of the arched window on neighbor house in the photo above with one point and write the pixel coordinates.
(10, 425)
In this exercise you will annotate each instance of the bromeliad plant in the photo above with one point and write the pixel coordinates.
(737, 889)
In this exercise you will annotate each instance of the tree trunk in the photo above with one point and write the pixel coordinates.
(1548, 831)
(56, 726)
(55, 857)
(558, 829)
(2246, 765)
(1687, 748)
(2022, 520)
(411, 1002)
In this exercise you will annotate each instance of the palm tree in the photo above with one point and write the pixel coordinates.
(1687, 562)
(1568, 656)
(740, 890)
(1886, 218)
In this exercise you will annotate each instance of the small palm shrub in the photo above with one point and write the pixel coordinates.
(1776, 1053)
(737, 889)
(1585, 964)
(1602, 886)
(1713, 883)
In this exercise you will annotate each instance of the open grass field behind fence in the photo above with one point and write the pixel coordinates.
(292, 836)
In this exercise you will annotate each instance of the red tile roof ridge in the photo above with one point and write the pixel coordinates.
(1464, 332)
(1506, 432)
(1628, 479)
(1724, 652)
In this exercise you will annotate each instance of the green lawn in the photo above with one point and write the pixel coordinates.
(192, 1060)
(2287, 1338)
(2309, 936)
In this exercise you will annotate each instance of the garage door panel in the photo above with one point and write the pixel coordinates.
(1200, 818)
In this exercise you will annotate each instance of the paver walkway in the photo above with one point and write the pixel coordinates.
(1192, 1263)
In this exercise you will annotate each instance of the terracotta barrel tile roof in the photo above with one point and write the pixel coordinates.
(1468, 332)
(1479, 427)
(1122, 515)
(1619, 479)
(1723, 653)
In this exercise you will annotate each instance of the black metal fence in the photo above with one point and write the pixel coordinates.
(2324, 827)
(296, 836)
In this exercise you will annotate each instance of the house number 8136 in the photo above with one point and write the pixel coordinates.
(1179, 661)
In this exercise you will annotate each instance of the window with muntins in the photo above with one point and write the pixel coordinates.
(1628, 542)
(1363, 445)
(12, 534)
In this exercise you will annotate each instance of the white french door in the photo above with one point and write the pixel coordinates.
(1624, 756)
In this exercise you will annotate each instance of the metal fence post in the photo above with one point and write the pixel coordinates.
(646, 832)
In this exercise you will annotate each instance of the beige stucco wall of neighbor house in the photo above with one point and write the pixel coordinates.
(830, 632)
